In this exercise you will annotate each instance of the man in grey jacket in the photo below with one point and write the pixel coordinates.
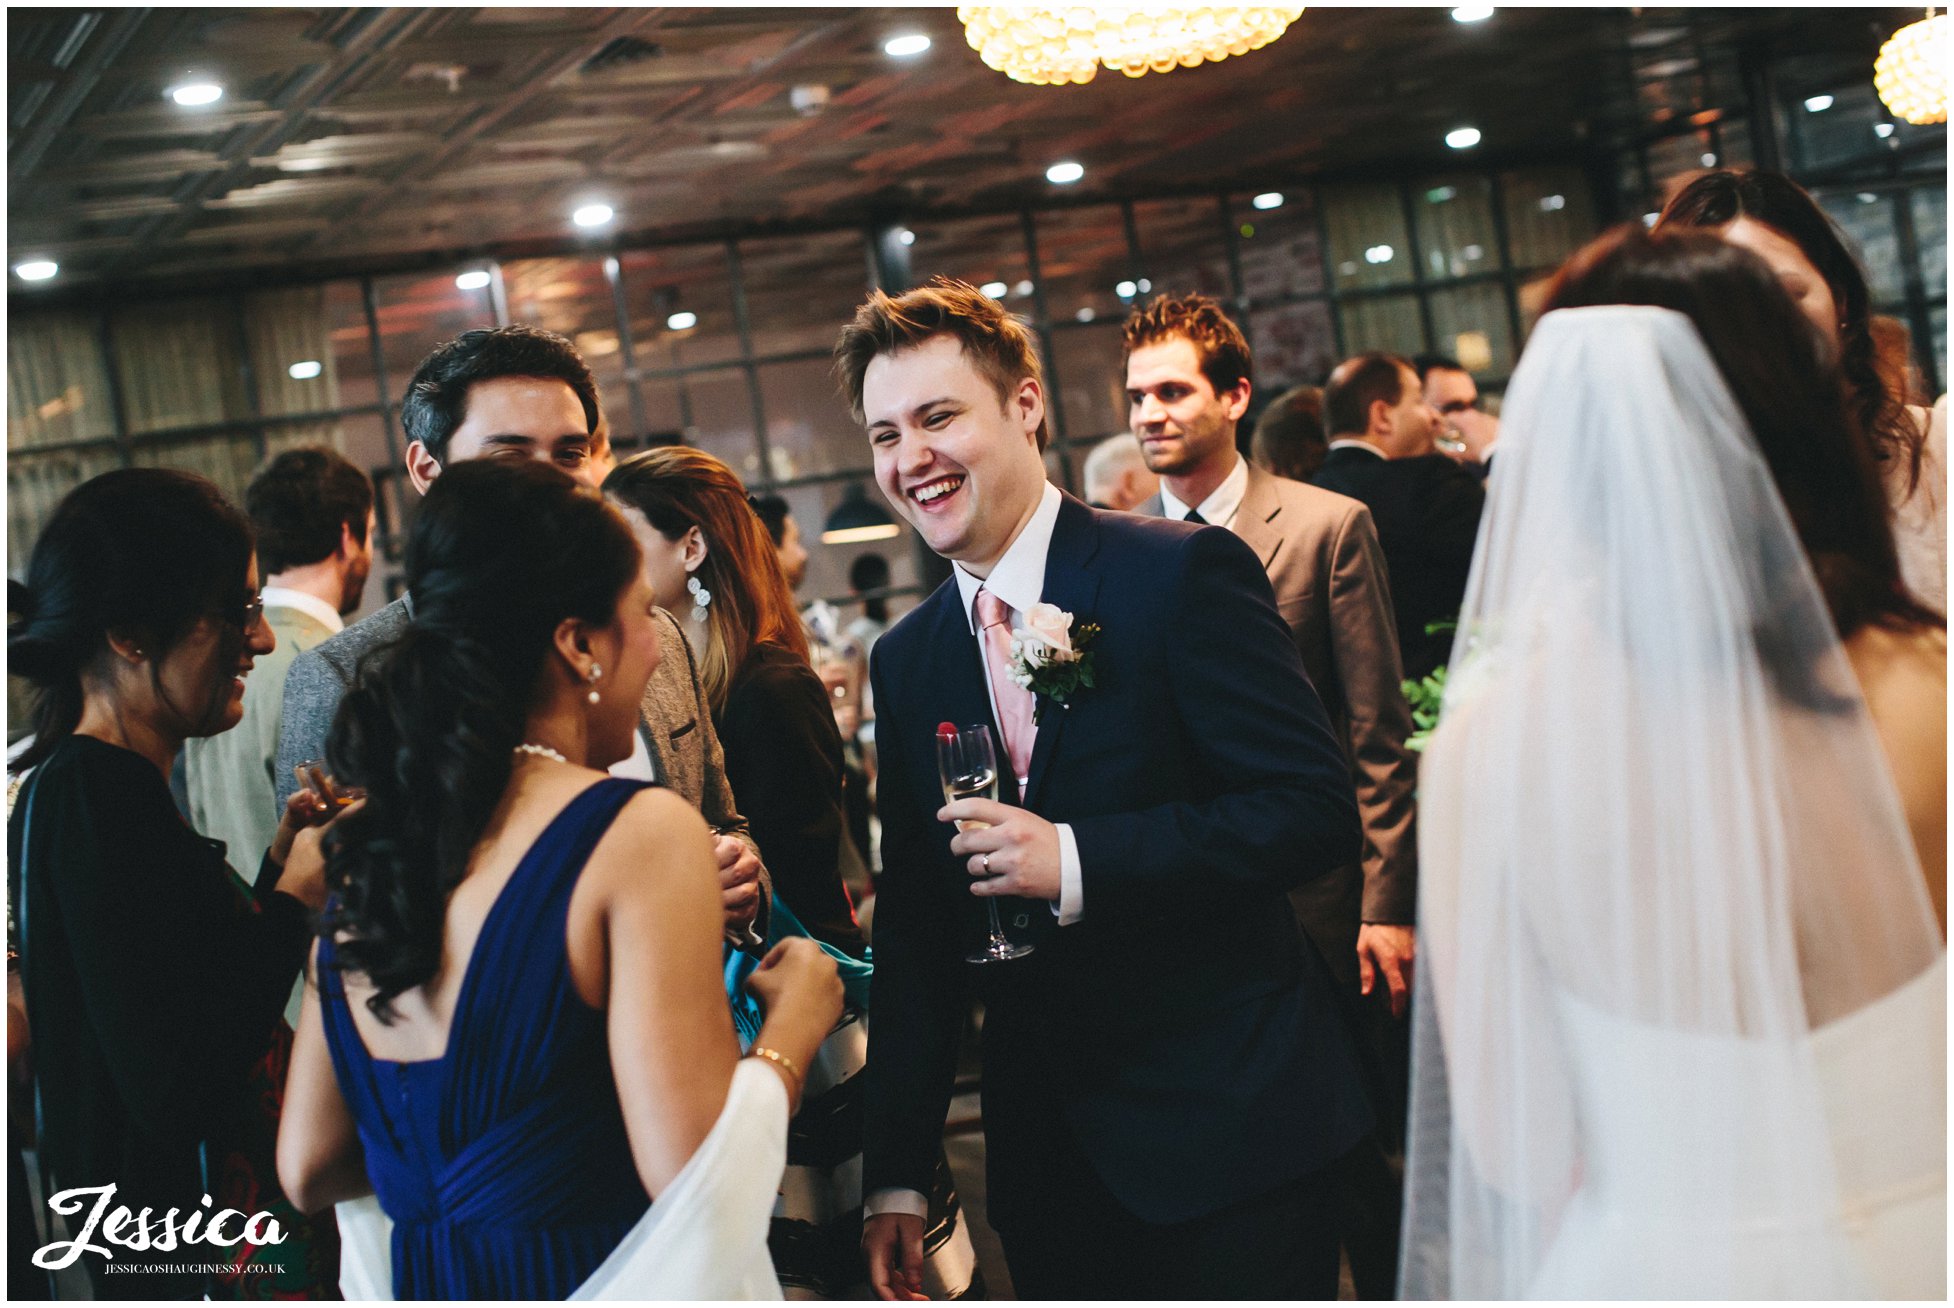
(521, 392)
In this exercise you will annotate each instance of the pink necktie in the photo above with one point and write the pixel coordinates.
(1014, 702)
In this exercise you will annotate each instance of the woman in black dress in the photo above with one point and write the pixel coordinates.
(711, 563)
(155, 978)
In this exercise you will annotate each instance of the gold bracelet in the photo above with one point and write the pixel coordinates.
(775, 1056)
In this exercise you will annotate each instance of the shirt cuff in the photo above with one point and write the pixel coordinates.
(896, 1200)
(1071, 880)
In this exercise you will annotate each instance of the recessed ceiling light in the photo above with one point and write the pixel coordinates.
(473, 280)
(593, 215)
(1882, 130)
(1379, 254)
(1066, 173)
(1551, 203)
(1867, 197)
(683, 320)
(1649, 219)
(906, 45)
(1462, 138)
(1268, 200)
(906, 236)
(1127, 290)
(1086, 314)
(1818, 104)
(305, 369)
(1709, 161)
(1472, 13)
(1022, 288)
(36, 270)
(194, 95)
(1145, 286)
(996, 290)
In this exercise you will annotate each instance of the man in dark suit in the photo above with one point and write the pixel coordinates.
(1383, 451)
(1188, 382)
(1167, 1085)
(1454, 397)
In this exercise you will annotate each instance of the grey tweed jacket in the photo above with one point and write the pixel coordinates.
(673, 718)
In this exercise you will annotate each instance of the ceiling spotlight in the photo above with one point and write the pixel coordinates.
(906, 45)
(906, 236)
(593, 215)
(1268, 200)
(1145, 286)
(996, 290)
(1066, 173)
(1650, 219)
(1472, 13)
(683, 320)
(305, 369)
(474, 280)
(1086, 314)
(1709, 161)
(1022, 288)
(194, 95)
(1127, 290)
(36, 270)
(1379, 254)
(1462, 138)
(1882, 130)
(1867, 197)
(1818, 104)
(1551, 203)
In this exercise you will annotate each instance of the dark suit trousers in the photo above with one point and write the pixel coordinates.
(1084, 1244)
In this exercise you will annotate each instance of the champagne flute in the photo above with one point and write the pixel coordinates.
(968, 765)
(312, 776)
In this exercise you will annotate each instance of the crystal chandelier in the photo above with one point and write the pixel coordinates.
(1051, 47)
(1911, 71)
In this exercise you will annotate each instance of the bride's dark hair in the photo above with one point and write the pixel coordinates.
(501, 553)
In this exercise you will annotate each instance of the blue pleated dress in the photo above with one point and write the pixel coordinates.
(504, 1163)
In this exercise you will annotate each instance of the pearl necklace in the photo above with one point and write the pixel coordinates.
(540, 751)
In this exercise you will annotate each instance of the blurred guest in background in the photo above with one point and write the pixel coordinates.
(154, 975)
(1469, 432)
(523, 393)
(785, 533)
(868, 578)
(1117, 476)
(1776, 219)
(1426, 507)
(312, 511)
(1289, 440)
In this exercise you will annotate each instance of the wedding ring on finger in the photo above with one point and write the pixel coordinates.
(987, 865)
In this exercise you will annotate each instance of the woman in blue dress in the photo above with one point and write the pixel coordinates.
(518, 1037)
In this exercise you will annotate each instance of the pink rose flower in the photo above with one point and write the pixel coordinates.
(1051, 627)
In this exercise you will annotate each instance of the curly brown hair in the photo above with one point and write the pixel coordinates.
(1217, 341)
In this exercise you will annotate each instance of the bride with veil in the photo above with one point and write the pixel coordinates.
(1682, 1010)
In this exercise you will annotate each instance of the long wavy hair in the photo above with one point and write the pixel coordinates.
(678, 488)
(143, 553)
(501, 553)
(1790, 396)
(1722, 197)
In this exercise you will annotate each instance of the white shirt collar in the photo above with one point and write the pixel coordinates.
(1357, 443)
(310, 605)
(1219, 509)
(1019, 577)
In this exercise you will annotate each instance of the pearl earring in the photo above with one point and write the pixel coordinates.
(701, 597)
(595, 672)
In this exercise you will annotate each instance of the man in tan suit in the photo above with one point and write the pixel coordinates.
(1187, 387)
(520, 392)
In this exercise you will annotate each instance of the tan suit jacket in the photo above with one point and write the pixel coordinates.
(1327, 569)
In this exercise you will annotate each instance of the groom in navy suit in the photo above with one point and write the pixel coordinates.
(1166, 1085)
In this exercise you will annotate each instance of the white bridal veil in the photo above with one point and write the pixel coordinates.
(1681, 999)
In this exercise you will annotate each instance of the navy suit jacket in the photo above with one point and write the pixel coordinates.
(1179, 1033)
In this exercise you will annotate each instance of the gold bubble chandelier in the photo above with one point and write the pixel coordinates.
(1911, 71)
(1051, 47)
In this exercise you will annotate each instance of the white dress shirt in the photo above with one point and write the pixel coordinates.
(1357, 443)
(279, 597)
(1018, 580)
(1219, 509)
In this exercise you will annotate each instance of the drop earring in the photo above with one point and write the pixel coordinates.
(701, 597)
(595, 672)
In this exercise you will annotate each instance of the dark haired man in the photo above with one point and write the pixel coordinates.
(1383, 451)
(1166, 1085)
(1188, 382)
(312, 511)
(1454, 396)
(524, 393)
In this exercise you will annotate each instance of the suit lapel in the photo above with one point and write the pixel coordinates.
(1255, 519)
(1071, 583)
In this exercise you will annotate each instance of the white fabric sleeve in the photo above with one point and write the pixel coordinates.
(894, 1199)
(1071, 881)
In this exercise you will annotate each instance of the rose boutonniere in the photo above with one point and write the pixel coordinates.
(1049, 657)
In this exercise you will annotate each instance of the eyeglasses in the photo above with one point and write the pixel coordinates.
(248, 615)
